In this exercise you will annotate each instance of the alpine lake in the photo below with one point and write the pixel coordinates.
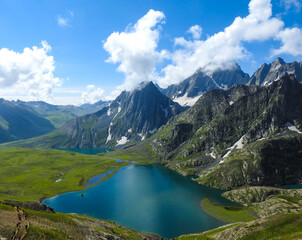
(147, 198)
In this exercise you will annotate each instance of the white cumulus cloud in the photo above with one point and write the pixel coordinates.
(196, 31)
(223, 48)
(288, 4)
(29, 73)
(92, 94)
(291, 39)
(135, 49)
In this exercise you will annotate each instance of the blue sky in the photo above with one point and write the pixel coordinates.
(70, 66)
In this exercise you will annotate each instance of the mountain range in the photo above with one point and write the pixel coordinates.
(59, 114)
(131, 117)
(263, 123)
(269, 73)
(134, 116)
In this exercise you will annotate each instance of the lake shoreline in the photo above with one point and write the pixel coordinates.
(137, 195)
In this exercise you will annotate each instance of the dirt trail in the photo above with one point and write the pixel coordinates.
(22, 225)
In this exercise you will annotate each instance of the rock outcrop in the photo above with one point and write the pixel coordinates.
(274, 162)
(249, 195)
(267, 201)
(29, 205)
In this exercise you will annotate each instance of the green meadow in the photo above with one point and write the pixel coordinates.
(31, 175)
(225, 213)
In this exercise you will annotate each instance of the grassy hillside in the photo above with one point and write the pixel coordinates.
(30, 175)
(281, 227)
(59, 226)
(17, 122)
(49, 140)
(59, 118)
(59, 114)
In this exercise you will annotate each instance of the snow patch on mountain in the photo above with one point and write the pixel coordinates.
(122, 141)
(109, 111)
(238, 145)
(186, 101)
(142, 136)
(292, 127)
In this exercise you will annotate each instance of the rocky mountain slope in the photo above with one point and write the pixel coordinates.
(17, 122)
(272, 162)
(188, 91)
(203, 138)
(131, 117)
(269, 73)
(59, 114)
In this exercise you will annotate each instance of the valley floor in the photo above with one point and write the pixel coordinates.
(25, 175)
(33, 175)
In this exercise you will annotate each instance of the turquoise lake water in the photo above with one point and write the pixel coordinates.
(297, 186)
(148, 198)
(98, 178)
(89, 151)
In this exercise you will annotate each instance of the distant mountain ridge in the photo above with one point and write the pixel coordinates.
(134, 116)
(268, 73)
(188, 91)
(17, 122)
(59, 114)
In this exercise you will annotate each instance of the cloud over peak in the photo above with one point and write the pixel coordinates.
(135, 49)
(92, 94)
(223, 48)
